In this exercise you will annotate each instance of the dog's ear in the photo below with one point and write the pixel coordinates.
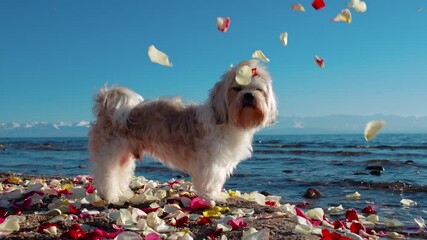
(272, 107)
(217, 101)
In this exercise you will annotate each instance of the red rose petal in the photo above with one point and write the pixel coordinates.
(318, 4)
(351, 215)
(89, 188)
(74, 210)
(369, 210)
(356, 227)
(204, 220)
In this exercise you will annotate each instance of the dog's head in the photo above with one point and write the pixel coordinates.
(245, 106)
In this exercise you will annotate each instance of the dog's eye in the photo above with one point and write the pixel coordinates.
(237, 89)
(259, 89)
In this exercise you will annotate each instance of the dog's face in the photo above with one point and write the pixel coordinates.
(246, 106)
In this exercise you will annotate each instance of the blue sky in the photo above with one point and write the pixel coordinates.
(54, 55)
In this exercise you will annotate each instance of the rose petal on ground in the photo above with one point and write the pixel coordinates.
(260, 235)
(223, 23)
(372, 128)
(358, 6)
(373, 218)
(369, 210)
(393, 223)
(298, 7)
(356, 226)
(319, 61)
(158, 56)
(336, 210)
(315, 213)
(244, 75)
(351, 215)
(11, 223)
(200, 203)
(152, 236)
(258, 54)
(237, 223)
(343, 16)
(75, 232)
(284, 38)
(318, 4)
(212, 213)
(14, 180)
(203, 221)
(408, 203)
(355, 195)
(395, 235)
(153, 221)
(127, 235)
(420, 221)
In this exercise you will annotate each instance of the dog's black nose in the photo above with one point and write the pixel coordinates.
(248, 99)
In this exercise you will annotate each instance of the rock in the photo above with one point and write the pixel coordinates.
(180, 176)
(376, 168)
(82, 166)
(265, 193)
(409, 162)
(312, 193)
(360, 173)
(287, 171)
(376, 172)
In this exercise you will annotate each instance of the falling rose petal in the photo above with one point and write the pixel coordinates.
(200, 203)
(318, 4)
(343, 16)
(284, 38)
(127, 235)
(223, 23)
(244, 75)
(369, 210)
(319, 61)
(372, 128)
(420, 221)
(258, 54)
(408, 203)
(358, 6)
(158, 56)
(237, 223)
(298, 7)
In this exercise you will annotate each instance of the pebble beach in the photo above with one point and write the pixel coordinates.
(42, 207)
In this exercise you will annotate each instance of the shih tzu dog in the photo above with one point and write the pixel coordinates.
(207, 141)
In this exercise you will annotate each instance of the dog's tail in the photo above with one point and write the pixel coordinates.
(115, 103)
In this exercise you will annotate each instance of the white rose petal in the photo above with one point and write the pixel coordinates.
(358, 6)
(158, 56)
(258, 54)
(372, 129)
(343, 16)
(284, 38)
(244, 75)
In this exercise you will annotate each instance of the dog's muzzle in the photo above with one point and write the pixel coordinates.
(248, 100)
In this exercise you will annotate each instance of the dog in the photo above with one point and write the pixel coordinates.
(207, 140)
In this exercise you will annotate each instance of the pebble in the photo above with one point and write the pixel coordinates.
(312, 193)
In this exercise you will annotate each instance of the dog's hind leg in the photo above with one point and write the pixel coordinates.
(127, 169)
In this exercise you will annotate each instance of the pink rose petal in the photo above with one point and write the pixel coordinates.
(152, 236)
(237, 223)
(199, 203)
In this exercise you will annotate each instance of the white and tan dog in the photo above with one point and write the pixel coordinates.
(207, 141)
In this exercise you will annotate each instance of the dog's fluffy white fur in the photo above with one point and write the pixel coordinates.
(207, 141)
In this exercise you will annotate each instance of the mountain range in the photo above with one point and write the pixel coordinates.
(330, 124)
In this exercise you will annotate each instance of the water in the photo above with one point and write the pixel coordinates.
(281, 165)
